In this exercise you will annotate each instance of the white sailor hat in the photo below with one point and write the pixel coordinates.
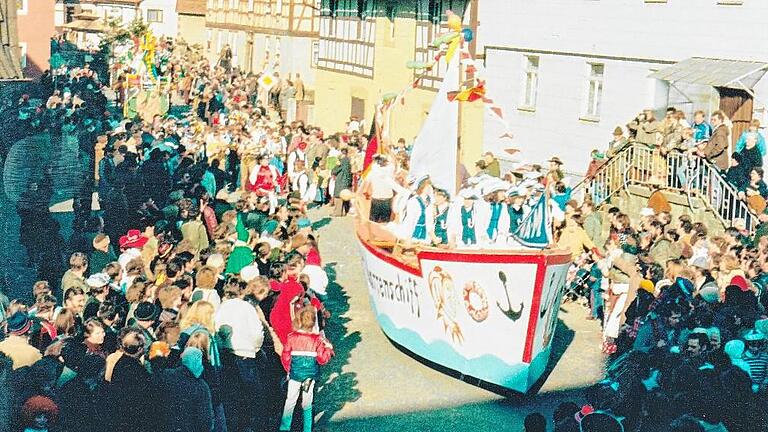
(468, 194)
(515, 192)
(494, 186)
(416, 181)
(533, 175)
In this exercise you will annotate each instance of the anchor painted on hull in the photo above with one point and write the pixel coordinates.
(508, 311)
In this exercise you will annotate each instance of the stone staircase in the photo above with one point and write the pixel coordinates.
(692, 186)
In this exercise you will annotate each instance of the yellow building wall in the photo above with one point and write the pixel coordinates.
(334, 92)
(192, 29)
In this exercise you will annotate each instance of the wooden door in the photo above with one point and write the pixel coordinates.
(358, 108)
(737, 105)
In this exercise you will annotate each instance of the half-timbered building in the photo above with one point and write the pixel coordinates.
(276, 35)
(363, 51)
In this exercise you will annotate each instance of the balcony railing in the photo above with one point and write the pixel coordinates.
(693, 176)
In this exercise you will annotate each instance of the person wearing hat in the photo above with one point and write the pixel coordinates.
(145, 315)
(418, 221)
(756, 357)
(617, 143)
(515, 213)
(242, 253)
(493, 205)
(555, 173)
(98, 290)
(304, 226)
(464, 220)
(16, 344)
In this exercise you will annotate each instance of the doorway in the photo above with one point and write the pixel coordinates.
(737, 105)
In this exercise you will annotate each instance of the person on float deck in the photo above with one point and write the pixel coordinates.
(441, 207)
(493, 205)
(463, 217)
(514, 211)
(419, 218)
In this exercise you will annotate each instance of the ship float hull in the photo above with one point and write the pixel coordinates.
(489, 314)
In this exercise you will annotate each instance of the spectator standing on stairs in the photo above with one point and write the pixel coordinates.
(618, 142)
(716, 149)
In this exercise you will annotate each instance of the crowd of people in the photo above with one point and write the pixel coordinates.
(710, 140)
(194, 298)
(683, 308)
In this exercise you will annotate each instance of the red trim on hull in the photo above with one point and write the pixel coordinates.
(534, 317)
(387, 258)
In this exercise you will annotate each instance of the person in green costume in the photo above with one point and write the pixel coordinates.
(242, 254)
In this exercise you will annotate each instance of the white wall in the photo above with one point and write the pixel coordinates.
(170, 25)
(630, 37)
(124, 13)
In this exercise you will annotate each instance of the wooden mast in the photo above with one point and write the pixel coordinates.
(473, 20)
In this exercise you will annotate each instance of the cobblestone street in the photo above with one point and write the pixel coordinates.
(373, 386)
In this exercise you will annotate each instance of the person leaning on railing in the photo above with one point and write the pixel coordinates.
(715, 150)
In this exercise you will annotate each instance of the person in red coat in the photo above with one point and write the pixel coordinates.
(263, 181)
(292, 297)
(303, 353)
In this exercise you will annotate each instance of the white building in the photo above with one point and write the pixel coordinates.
(122, 10)
(161, 16)
(567, 72)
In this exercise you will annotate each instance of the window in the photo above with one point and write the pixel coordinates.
(595, 90)
(315, 53)
(531, 81)
(22, 7)
(279, 8)
(154, 16)
(23, 54)
(250, 5)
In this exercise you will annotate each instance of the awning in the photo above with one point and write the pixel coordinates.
(734, 74)
(83, 25)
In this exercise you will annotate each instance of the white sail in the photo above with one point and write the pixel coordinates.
(435, 150)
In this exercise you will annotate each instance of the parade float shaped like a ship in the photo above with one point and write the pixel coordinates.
(487, 314)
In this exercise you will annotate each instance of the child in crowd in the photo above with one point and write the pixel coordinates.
(303, 352)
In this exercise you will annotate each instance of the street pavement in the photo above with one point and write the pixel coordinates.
(371, 385)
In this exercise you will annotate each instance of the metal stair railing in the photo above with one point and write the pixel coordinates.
(693, 176)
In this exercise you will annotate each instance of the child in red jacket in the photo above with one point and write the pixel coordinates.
(303, 351)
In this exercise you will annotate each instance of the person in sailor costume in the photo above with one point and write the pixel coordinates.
(514, 209)
(418, 221)
(441, 208)
(495, 219)
(464, 220)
